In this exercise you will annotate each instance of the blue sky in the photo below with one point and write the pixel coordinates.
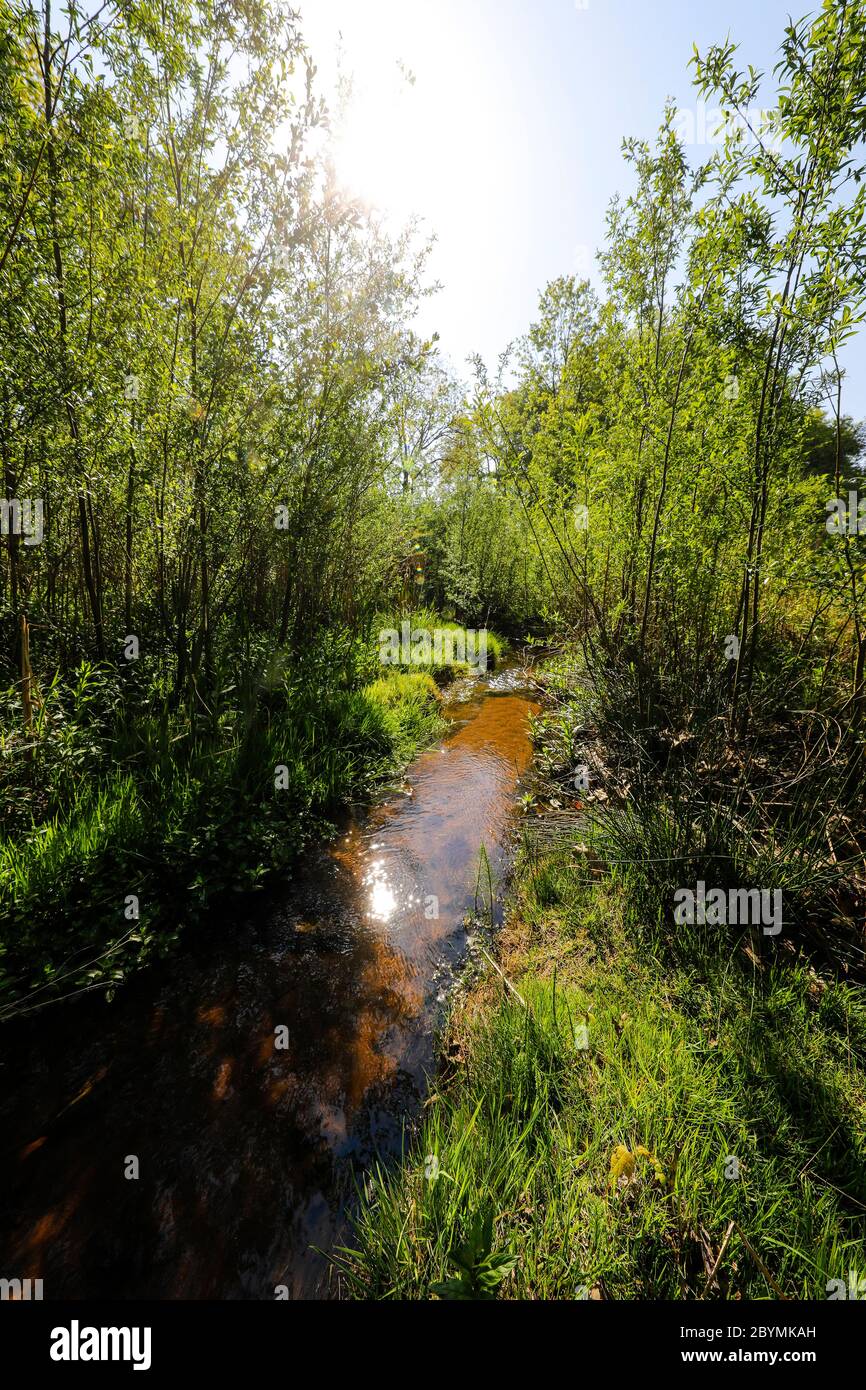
(499, 123)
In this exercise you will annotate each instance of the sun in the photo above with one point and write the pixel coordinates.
(376, 141)
(382, 68)
(423, 129)
(380, 136)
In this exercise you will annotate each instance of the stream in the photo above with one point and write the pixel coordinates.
(248, 1152)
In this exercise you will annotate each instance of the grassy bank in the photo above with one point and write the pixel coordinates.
(139, 829)
(127, 820)
(424, 640)
(609, 1169)
(641, 1111)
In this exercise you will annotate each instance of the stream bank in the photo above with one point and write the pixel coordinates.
(202, 1135)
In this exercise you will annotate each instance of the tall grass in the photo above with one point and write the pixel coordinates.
(704, 1136)
(428, 621)
(608, 1168)
(186, 825)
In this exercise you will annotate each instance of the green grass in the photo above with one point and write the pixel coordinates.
(404, 701)
(603, 1169)
(182, 828)
(428, 621)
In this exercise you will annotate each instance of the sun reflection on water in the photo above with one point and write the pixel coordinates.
(382, 898)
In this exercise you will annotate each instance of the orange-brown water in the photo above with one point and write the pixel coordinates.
(247, 1152)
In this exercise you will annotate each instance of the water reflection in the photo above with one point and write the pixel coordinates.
(248, 1152)
(381, 898)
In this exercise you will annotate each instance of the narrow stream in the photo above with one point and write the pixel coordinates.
(247, 1151)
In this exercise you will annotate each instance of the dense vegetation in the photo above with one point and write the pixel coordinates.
(653, 1105)
(247, 463)
(214, 406)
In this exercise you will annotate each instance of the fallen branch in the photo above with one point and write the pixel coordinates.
(760, 1263)
(722, 1248)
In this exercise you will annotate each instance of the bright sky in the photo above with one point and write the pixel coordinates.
(507, 141)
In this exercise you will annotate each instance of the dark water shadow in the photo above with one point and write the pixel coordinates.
(248, 1151)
